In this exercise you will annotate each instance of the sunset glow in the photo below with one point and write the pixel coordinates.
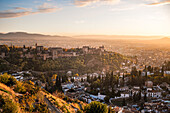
(79, 17)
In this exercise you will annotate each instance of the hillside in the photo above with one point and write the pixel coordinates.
(23, 97)
(81, 64)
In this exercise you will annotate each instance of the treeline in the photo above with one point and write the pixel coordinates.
(104, 84)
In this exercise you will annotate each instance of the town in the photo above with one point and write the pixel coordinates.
(130, 87)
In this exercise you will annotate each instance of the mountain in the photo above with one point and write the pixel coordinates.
(162, 40)
(28, 36)
(165, 39)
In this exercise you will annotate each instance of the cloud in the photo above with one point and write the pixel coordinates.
(21, 11)
(13, 14)
(160, 2)
(45, 8)
(82, 3)
(122, 9)
(22, 8)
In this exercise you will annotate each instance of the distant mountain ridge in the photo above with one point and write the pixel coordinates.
(25, 35)
(37, 36)
(166, 38)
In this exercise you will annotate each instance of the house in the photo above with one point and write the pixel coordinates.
(69, 73)
(85, 49)
(67, 85)
(101, 97)
(124, 88)
(101, 48)
(125, 95)
(144, 73)
(166, 73)
(155, 92)
(98, 97)
(149, 84)
(39, 48)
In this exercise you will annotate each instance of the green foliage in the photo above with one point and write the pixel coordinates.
(79, 111)
(20, 88)
(110, 110)
(96, 84)
(106, 99)
(7, 105)
(4, 66)
(5, 91)
(42, 108)
(4, 78)
(82, 64)
(96, 107)
(7, 79)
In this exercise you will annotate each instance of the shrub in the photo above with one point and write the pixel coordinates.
(20, 88)
(4, 78)
(96, 107)
(7, 105)
(79, 111)
(8, 80)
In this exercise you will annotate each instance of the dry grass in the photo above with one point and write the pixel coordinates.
(10, 95)
(4, 87)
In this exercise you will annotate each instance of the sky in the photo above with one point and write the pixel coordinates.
(86, 17)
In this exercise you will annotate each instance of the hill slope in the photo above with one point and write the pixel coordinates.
(23, 97)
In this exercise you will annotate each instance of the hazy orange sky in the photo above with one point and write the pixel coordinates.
(79, 17)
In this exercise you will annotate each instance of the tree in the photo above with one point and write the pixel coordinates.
(124, 102)
(43, 78)
(95, 84)
(106, 99)
(149, 68)
(110, 110)
(58, 83)
(145, 98)
(123, 79)
(96, 107)
(7, 105)
(134, 97)
(139, 95)
(64, 78)
(162, 71)
(8, 80)
(20, 88)
(72, 79)
(88, 78)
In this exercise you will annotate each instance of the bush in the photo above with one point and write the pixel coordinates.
(106, 99)
(7, 79)
(7, 105)
(20, 88)
(96, 107)
(79, 111)
(4, 78)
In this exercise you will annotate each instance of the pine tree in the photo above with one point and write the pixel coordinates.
(145, 98)
(124, 102)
